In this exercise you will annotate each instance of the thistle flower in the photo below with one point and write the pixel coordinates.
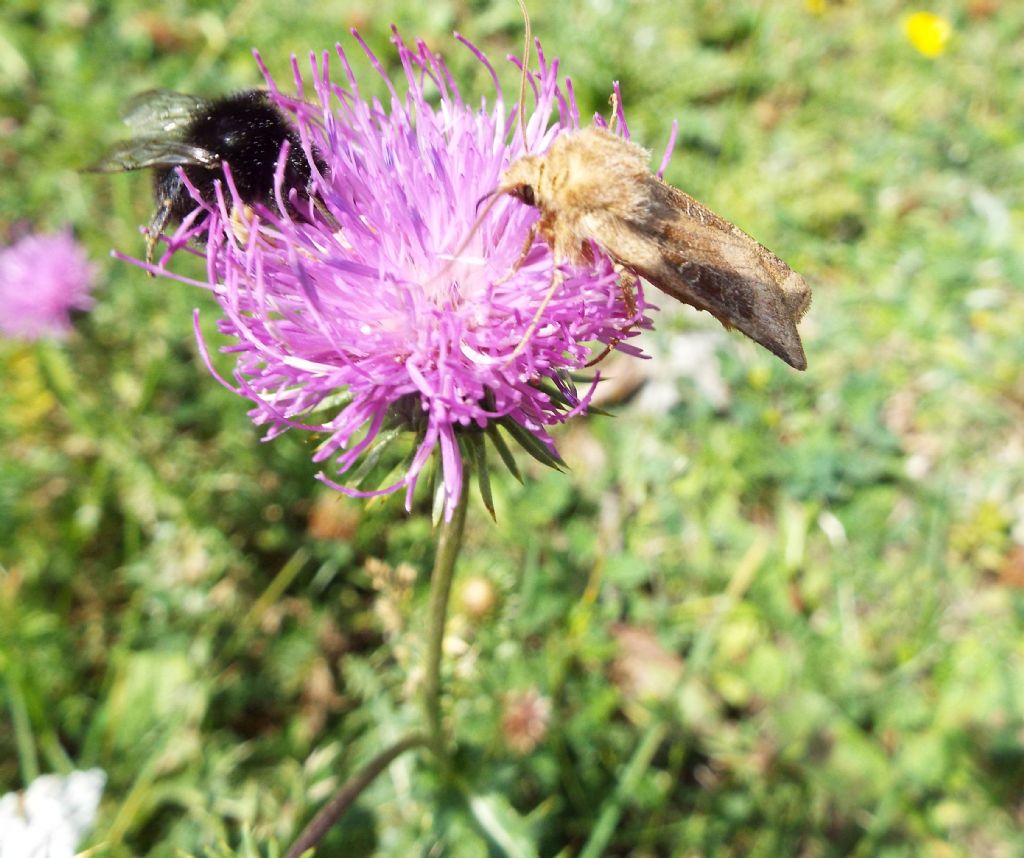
(42, 279)
(389, 303)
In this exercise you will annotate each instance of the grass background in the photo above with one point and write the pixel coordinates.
(772, 613)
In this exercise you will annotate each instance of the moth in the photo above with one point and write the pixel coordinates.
(594, 186)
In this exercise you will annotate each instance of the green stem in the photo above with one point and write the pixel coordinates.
(335, 809)
(449, 541)
(611, 813)
(28, 761)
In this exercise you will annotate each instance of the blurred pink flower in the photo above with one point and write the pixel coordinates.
(525, 718)
(42, 279)
(372, 311)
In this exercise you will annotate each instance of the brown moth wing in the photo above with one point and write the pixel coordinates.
(699, 258)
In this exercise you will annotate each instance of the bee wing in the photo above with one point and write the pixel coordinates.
(145, 152)
(161, 111)
(699, 258)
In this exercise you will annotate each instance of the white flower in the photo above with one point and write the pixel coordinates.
(49, 818)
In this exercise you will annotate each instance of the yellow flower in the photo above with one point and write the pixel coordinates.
(816, 7)
(927, 32)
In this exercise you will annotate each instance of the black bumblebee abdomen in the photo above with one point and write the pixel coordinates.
(247, 132)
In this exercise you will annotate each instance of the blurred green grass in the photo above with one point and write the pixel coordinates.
(828, 569)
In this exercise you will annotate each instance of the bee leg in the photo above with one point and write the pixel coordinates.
(320, 206)
(556, 281)
(156, 227)
(240, 222)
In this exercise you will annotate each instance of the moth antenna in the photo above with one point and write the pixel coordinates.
(527, 37)
(492, 198)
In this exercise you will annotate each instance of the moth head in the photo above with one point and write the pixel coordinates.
(524, 193)
(520, 180)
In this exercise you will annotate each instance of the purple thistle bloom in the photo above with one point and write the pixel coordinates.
(358, 310)
(42, 279)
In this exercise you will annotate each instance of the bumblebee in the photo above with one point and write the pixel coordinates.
(172, 130)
